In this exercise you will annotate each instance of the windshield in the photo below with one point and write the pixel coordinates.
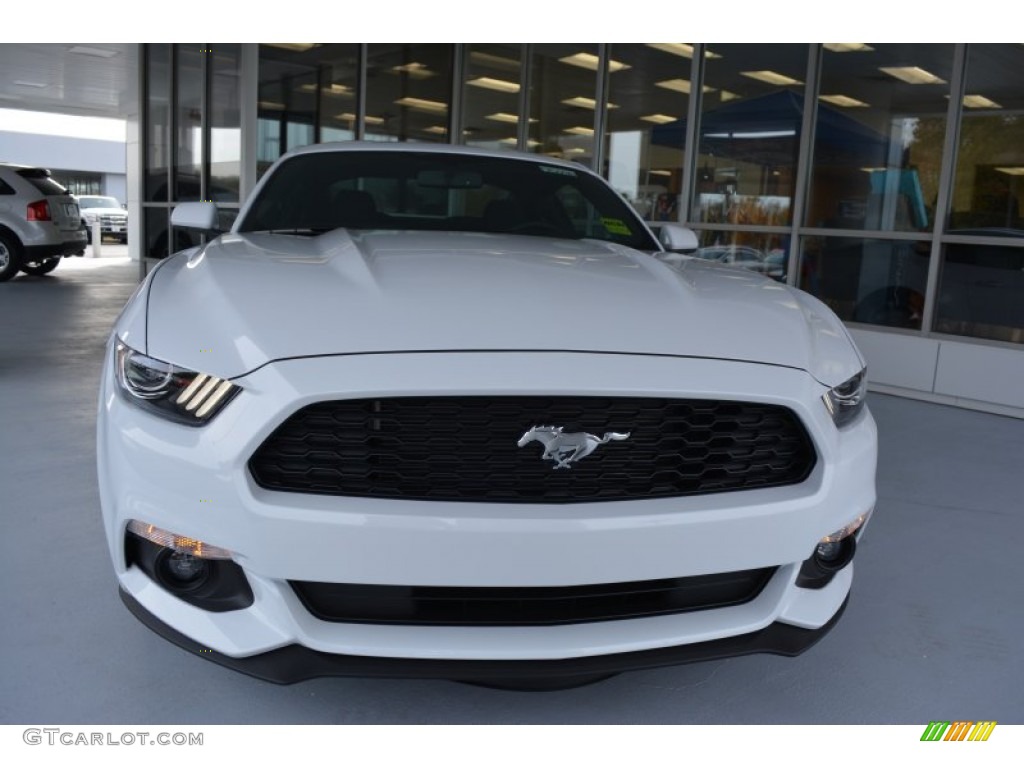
(430, 191)
(98, 202)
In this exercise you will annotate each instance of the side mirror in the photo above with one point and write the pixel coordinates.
(201, 216)
(677, 239)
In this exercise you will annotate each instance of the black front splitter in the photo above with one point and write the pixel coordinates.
(295, 663)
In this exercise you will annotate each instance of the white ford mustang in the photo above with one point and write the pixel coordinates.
(442, 412)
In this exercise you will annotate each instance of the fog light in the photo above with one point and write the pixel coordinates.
(193, 571)
(185, 570)
(828, 550)
(831, 554)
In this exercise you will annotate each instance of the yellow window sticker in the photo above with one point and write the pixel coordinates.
(616, 226)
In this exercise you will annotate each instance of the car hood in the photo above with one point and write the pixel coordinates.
(248, 299)
(102, 210)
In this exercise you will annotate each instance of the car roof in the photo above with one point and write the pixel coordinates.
(441, 149)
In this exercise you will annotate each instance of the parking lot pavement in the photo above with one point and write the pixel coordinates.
(933, 629)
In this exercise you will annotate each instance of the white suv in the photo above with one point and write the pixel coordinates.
(112, 218)
(39, 222)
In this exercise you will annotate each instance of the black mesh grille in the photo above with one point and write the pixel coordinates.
(495, 606)
(465, 449)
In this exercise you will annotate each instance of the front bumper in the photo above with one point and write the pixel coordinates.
(195, 482)
(295, 663)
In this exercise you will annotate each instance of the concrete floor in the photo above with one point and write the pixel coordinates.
(933, 631)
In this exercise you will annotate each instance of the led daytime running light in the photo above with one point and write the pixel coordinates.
(846, 530)
(183, 544)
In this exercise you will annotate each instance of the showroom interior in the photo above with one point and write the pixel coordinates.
(883, 178)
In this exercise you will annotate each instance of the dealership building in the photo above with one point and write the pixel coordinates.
(885, 179)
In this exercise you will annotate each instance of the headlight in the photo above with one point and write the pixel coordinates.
(185, 396)
(845, 401)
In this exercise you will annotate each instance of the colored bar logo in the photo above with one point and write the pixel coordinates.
(960, 730)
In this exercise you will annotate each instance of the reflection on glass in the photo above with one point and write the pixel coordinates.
(981, 292)
(879, 282)
(408, 92)
(761, 252)
(189, 144)
(158, 120)
(563, 83)
(878, 140)
(989, 184)
(752, 107)
(491, 96)
(286, 101)
(225, 123)
(647, 127)
(339, 84)
(156, 221)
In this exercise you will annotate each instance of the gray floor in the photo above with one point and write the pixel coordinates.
(933, 631)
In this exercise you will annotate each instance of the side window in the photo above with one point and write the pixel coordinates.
(5, 188)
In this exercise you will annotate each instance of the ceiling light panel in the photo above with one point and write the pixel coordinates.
(590, 61)
(494, 84)
(508, 117)
(659, 118)
(585, 103)
(681, 49)
(841, 100)
(913, 75)
(977, 101)
(422, 105)
(774, 78)
(680, 85)
(848, 47)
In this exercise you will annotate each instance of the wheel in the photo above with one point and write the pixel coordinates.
(10, 256)
(41, 268)
(88, 232)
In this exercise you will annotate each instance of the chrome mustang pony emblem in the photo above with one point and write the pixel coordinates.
(567, 448)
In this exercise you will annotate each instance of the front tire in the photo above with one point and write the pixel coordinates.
(10, 256)
(42, 268)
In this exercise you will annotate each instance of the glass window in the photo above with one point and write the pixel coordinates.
(647, 126)
(751, 111)
(286, 101)
(156, 221)
(879, 282)
(563, 83)
(158, 120)
(989, 184)
(408, 91)
(189, 143)
(878, 140)
(81, 182)
(339, 85)
(982, 292)
(491, 96)
(225, 123)
(762, 252)
(432, 191)
(40, 179)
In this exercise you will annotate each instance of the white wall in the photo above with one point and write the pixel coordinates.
(982, 376)
(64, 152)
